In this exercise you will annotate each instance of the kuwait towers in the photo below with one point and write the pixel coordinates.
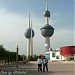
(47, 30)
(29, 34)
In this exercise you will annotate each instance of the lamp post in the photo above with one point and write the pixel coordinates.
(23, 58)
(16, 55)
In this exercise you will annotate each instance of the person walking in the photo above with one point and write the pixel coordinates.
(39, 64)
(45, 64)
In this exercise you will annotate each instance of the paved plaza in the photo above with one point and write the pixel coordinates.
(55, 68)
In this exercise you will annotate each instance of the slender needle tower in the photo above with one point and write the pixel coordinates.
(31, 45)
(29, 34)
(47, 30)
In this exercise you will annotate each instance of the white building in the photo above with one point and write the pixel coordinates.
(53, 55)
(62, 53)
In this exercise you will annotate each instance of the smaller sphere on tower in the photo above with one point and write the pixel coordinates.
(46, 14)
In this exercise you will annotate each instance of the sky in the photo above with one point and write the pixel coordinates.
(14, 17)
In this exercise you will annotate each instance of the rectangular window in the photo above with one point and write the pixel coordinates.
(53, 54)
(47, 56)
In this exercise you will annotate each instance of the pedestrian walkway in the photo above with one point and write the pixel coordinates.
(55, 68)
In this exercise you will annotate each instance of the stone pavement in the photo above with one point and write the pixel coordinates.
(55, 68)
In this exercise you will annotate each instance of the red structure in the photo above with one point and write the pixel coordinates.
(67, 50)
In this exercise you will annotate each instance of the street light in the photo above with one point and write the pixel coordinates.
(23, 58)
(16, 55)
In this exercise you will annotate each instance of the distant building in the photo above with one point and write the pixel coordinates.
(67, 53)
(53, 55)
(62, 53)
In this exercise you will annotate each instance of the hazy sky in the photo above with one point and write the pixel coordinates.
(14, 22)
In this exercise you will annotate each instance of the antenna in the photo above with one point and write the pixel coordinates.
(46, 5)
(31, 28)
(29, 19)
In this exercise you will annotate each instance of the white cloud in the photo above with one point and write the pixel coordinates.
(54, 18)
(62, 38)
(12, 28)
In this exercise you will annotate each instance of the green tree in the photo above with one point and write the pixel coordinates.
(35, 57)
(2, 53)
(30, 58)
(20, 58)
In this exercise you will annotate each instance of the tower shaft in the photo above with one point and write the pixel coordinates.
(30, 40)
(31, 50)
(47, 43)
(31, 47)
(28, 47)
(46, 20)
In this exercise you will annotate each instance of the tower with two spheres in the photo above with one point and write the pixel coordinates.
(47, 30)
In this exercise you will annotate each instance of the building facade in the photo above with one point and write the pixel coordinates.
(67, 53)
(62, 53)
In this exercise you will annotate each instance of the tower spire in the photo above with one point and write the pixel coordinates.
(46, 13)
(31, 51)
(46, 5)
(29, 19)
(31, 28)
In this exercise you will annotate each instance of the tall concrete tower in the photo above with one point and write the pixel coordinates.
(29, 34)
(47, 30)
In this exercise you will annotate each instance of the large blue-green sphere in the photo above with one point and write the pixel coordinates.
(28, 33)
(47, 30)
